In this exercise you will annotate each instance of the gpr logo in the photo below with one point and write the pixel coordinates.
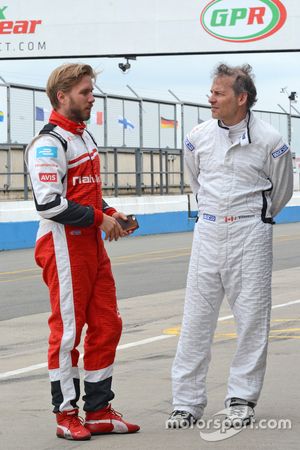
(86, 180)
(230, 21)
(18, 26)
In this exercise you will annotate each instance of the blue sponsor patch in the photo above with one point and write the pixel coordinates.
(281, 151)
(188, 144)
(46, 152)
(209, 217)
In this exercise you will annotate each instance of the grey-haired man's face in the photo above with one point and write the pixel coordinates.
(226, 105)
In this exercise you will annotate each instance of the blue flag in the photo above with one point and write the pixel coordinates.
(126, 123)
(39, 114)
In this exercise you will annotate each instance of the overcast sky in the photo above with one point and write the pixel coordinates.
(189, 77)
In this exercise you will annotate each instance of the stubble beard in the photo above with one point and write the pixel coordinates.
(78, 115)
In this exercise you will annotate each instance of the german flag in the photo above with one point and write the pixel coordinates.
(168, 123)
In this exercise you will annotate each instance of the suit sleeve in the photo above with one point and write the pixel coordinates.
(191, 164)
(109, 210)
(47, 166)
(280, 172)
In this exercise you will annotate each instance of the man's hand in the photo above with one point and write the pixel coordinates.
(111, 228)
(123, 216)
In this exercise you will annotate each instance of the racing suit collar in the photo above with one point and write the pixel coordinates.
(245, 138)
(74, 127)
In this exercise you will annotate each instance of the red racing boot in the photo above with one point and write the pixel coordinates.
(70, 426)
(107, 420)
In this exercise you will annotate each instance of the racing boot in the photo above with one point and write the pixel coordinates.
(70, 426)
(240, 413)
(106, 421)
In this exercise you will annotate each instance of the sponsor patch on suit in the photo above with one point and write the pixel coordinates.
(50, 177)
(46, 151)
(209, 217)
(281, 151)
(188, 144)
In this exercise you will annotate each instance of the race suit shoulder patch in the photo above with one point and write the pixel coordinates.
(188, 144)
(280, 151)
(46, 151)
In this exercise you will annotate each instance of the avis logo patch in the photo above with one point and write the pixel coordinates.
(46, 152)
(188, 144)
(281, 151)
(48, 177)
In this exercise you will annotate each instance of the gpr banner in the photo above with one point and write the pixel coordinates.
(38, 29)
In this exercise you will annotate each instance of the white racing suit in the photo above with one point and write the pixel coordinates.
(239, 187)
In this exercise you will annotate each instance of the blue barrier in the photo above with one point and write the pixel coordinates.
(17, 235)
(288, 215)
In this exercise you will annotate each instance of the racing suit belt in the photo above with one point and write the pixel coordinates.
(227, 219)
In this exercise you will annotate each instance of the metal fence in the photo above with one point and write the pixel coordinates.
(115, 121)
(139, 139)
(125, 171)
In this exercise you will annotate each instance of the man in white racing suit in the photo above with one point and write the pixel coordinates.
(241, 174)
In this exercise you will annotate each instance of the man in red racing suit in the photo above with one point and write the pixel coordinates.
(64, 167)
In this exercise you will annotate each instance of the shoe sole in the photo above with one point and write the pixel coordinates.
(70, 438)
(112, 432)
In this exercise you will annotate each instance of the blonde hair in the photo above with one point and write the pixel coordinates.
(64, 77)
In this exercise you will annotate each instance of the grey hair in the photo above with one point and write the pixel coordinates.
(243, 82)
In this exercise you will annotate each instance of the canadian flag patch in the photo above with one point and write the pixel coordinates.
(50, 177)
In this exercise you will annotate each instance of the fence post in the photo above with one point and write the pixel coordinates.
(25, 176)
(116, 181)
(182, 149)
(161, 173)
(167, 170)
(138, 171)
(105, 120)
(181, 171)
(8, 116)
(152, 171)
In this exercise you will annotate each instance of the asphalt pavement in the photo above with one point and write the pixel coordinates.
(150, 273)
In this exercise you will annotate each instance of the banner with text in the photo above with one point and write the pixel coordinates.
(55, 29)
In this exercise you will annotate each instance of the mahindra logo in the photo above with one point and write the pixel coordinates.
(247, 21)
(18, 26)
(86, 180)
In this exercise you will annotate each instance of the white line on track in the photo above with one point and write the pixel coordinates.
(27, 369)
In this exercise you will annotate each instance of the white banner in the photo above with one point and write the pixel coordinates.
(69, 28)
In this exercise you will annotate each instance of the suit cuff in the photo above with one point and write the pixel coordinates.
(110, 211)
(98, 217)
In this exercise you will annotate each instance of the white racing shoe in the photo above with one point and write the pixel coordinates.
(240, 413)
(180, 419)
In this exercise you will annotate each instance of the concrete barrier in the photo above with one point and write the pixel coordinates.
(156, 214)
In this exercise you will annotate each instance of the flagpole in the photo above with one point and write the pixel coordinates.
(182, 139)
(99, 89)
(34, 112)
(141, 113)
